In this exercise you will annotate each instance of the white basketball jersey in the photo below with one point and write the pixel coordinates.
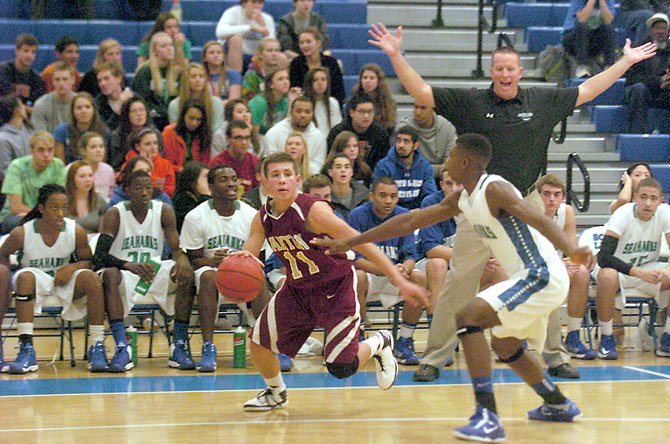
(137, 242)
(36, 254)
(204, 228)
(639, 241)
(516, 245)
(559, 217)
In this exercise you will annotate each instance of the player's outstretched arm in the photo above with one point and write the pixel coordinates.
(501, 196)
(410, 79)
(400, 225)
(597, 84)
(322, 219)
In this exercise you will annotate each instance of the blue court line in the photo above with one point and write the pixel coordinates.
(26, 386)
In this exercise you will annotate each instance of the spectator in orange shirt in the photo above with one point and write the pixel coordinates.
(145, 144)
(190, 138)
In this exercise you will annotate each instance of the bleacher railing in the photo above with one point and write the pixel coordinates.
(572, 198)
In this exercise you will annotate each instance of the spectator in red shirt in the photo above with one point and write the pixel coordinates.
(237, 155)
(145, 144)
(190, 138)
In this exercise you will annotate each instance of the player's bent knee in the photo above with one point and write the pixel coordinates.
(512, 358)
(468, 330)
(341, 371)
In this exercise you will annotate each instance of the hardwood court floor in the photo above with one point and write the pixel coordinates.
(625, 401)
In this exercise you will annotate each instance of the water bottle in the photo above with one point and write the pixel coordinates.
(143, 286)
(131, 339)
(239, 347)
(176, 10)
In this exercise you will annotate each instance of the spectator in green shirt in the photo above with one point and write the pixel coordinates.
(26, 175)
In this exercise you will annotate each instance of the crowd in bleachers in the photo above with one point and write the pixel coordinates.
(252, 89)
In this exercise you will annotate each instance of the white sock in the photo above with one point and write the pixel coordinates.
(24, 328)
(375, 342)
(574, 323)
(606, 326)
(406, 330)
(276, 384)
(97, 333)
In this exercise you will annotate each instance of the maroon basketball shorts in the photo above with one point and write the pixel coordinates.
(293, 313)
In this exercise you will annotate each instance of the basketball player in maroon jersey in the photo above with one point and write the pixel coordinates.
(320, 290)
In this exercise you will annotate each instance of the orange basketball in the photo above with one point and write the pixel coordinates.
(239, 278)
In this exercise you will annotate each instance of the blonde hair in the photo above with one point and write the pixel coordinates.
(303, 163)
(205, 96)
(103, 47)
(261, 47)
(171, 74)
(222, 76)
(44, 136)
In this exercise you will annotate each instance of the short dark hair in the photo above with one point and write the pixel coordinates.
(130, 178)
(315, 181)
(301, 99)
(8, 103)
(475, 144)
(357, 99)
(230, 107)
(235, 124)
(26, 39)
(505, 50)
(408, 130)
(65, 41)
(211, 174)
(386, 180)
(279, 157)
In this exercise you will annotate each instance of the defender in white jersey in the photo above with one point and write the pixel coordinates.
(520, 238)
(628, 258)
(129, 249)
(210, 232)
(47, 242)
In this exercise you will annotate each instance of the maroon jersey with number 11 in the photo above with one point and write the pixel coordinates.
(288, 236)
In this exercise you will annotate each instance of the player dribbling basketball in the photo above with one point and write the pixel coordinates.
(319, 289)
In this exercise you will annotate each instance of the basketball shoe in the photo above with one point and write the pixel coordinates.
(547, 412)
(266, 400)
(404, 351)
(664, 346)
(97, 358)
(484, 426)
(285, 363)
(208, 360)
(577, 349)
(180, 356)
(122, 359)
(607, 349)
(387, 366)
(26, 360)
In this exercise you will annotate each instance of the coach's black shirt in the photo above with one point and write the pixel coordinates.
(519, 129)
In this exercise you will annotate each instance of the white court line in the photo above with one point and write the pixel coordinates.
(649, 372)
(288, 421)
(293, 389)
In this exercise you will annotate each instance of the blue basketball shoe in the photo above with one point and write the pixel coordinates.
(664, 346)
(180, 356)
(285, 363)
(26, 360)
(607, 349)
(122, 359)
(546, 412)
(577, 349)
(97, 358)
(484, 426)
(208, 360)
(404, 351)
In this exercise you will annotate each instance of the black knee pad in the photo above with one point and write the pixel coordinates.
(514, 357)
(24, 297)
(341, 371)
(468, 329)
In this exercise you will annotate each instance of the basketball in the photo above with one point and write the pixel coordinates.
(239, 278)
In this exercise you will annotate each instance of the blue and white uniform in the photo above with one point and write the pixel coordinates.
(43, 261)
(538, 281)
